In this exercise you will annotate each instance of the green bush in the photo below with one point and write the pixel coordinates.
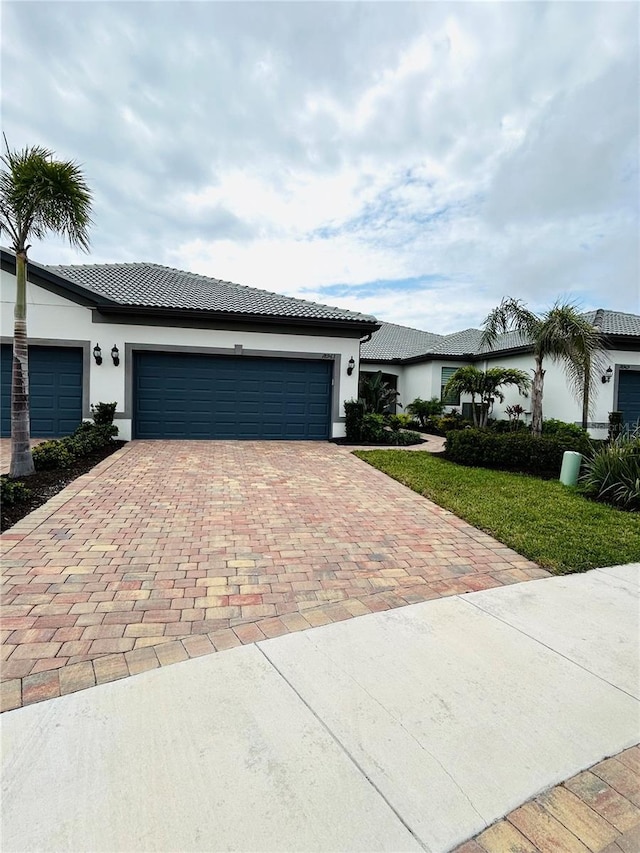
(398, 422)
(401, 439)
(60, 453)
(515, 451)
(567, 432)
(52, 454)
(373, 427)
(452, 421)
(354, 413)
(12, 491)
(425, 410)
(507, 426)
(103, 413)
(612, 473)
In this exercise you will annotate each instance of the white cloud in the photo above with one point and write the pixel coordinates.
(296, 146)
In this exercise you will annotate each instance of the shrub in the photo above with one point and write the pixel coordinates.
(398, 422)
(370, 428)
(517, 451)
(12, 491)
(373, 427)
(452, 421)
(52, 454)
(354, 413)
(103, 413)
(60, 453)
(508, 426)
(567, 432)
(612, 473)
(401, 438)
(425, 410)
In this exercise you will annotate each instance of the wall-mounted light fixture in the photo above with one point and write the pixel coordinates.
(115, 355)
(97, 354)
(350, 366)
(606, 376)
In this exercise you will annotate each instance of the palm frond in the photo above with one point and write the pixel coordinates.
(39, 194)
(566, 336)
(511, 315)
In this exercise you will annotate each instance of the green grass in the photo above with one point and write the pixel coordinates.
(541, 519)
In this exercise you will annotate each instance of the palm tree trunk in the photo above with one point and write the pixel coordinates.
(536, 397)
(585, 392)
(21, 458)
(474, 413)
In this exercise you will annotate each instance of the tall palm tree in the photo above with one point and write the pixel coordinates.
(37, 195)
(560, 334)
(486, 385)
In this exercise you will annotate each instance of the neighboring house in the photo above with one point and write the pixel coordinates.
(419, 364)
(194, 357)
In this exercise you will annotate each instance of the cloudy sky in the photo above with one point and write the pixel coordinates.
(415, 161)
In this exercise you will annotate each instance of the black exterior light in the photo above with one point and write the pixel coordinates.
(115, 355)
(350, 366)
(606, 376)
(97, 354)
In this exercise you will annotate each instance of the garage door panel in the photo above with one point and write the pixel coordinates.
(629, 395)
(199, 396)
(55, 390)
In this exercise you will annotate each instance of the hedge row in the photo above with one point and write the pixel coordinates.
(516, 451)
(62, 452)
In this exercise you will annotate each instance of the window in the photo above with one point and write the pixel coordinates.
(451, 399)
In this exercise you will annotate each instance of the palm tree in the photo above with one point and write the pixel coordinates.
(486, 385)
(560, 334)
(37, 195)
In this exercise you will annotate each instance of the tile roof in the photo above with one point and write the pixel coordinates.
(155, 286)
(466, 342)
(393, 342)
(615, 322)
(398, 342)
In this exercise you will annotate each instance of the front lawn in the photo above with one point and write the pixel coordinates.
(541, 519)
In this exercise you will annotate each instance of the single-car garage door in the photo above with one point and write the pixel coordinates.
(188, 395)
(55, 390)
(629, 395)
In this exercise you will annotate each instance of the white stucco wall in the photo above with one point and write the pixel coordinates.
(52, 318)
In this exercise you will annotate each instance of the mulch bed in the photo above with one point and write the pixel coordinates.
(43, 485)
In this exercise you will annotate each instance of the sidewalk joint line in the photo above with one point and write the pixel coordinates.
(546, 646)
(344, 749)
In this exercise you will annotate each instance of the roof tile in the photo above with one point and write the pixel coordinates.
(155, 286)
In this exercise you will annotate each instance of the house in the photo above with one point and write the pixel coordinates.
(184, 356)
(419, 364)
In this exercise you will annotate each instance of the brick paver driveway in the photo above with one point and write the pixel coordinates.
(168, 550)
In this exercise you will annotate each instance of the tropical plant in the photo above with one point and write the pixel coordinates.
(485, 386)
(612, 473)
(377, 395)
(514, 413)
(424, 410)
(38, 195)
(560, 334)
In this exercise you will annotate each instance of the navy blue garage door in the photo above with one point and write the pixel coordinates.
(180, 395)
(629, 395)
(55, 388)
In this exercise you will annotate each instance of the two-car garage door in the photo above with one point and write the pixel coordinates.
(195, 396)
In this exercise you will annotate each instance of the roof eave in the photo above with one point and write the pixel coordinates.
(360, 326)
(38, 274)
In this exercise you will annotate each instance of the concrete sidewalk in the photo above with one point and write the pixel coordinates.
(411, 729)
